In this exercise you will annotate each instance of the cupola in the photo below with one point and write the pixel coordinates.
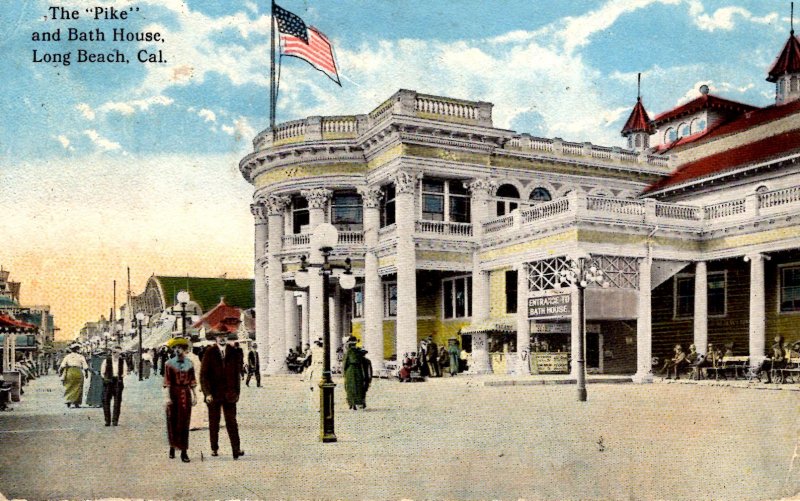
(638, 128)
(785, 72)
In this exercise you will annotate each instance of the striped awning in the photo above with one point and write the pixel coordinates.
(501, 325)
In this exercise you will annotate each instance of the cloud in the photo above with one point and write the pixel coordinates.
(207, 115)
(65, 142)
(131, 107)
(241, 129)
(85, 110)
(724, 18)
(101, 142)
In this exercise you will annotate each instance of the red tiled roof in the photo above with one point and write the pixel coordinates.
(7, 321)
(639, 121)
(759, 151)
(703, 102)
(788, 61)
(218, 316)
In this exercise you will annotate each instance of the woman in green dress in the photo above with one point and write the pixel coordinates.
(354, 376)
(94, 397)
(455, 355)
(72, 371)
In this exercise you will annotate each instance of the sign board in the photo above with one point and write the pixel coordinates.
(550, 363)
(556, 305)
(560, 328)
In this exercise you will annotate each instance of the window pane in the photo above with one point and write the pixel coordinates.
(716, 293)
(685, 297)
(300, 219)
(448, 299)
(457, 188)
(391, 300)
(540, 195)
(459, 209)
(501, 208)
(347, 215)
(389, 213)
(790, 289)
(433, 186)
(469, 295)
(358, 302)
(461, 298)
(511, 291)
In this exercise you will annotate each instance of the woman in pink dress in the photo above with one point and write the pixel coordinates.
(179, 397)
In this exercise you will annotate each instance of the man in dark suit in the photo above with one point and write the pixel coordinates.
(220, 380)
(253, 366)
(113, 370)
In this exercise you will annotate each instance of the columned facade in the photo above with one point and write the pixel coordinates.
(259, 211)
(523, 324)
(292, 323)
(644, 329)
(701, 307)
(317, 199)
(373, 290)
(276, 207)
(757, 325)
(405, 187)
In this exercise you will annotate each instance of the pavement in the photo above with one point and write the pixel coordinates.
(465, 437)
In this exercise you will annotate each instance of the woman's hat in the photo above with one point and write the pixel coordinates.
(177, 341)
(74, 347)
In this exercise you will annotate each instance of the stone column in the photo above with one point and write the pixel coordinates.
(644, 339)
(303, 300)
(523, 325)
(317, 204)
(757, 309)
(373, 289)
(259, 211)
(701, 307)
(290, 313)
(480, 190)
(335, 311)
(405, 214)
(276, 207)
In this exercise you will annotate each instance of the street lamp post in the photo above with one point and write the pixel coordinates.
(579, 275)
(325, 237)
(183, 298)
(139, 323)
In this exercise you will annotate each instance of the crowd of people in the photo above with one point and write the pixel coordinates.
(432, 360)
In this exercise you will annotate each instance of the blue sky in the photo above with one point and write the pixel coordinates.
(130, 159)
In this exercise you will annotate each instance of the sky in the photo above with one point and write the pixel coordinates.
(105, 166)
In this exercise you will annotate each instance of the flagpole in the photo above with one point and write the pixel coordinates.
(272, 97)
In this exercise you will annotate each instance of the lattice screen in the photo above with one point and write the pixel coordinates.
(619, 271)
(543, 275)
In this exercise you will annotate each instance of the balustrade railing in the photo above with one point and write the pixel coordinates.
(615, 205)
(438, 106)
(572, 148)
(297, 239)
(444, 228)
(292, 129)
(677, 211)
(725, 209)
(351, 237)
(339, 125)
(775, 198)
(498, 224)
(547, 209)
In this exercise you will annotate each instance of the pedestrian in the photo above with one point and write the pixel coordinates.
(432, 357)
(147, 362)
(163, 356)
(366, 367)
(253, 366)
(455, 353)
(114, 369)
(94, 396)
(220, 382)
(199, 419)
(179, 397)
(354, 376)
(72, 370)
(314, 373)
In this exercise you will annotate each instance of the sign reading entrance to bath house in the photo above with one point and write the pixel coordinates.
(550, 306)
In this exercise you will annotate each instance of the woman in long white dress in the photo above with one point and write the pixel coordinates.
(313, 375)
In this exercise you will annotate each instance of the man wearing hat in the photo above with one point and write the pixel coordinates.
(220, 381)
(113, 370)
(253, 366)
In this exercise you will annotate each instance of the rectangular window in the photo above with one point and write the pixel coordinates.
(387, 206)
(432, 200)
(790, 289)
(358, 301)
(390, 299)
(457, 297)
(511, 291)
(717, 292)
(459, 202)
(300, 216)
(346, 209)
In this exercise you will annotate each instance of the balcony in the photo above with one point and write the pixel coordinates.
(443, 228)
(691, 218)
(348, 240)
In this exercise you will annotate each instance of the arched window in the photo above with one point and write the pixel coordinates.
(540, 195)
(638, 140)
(511, 195)
(698, 125)
(684, 130)
(762, 189)
(795, 84)
(670, 135)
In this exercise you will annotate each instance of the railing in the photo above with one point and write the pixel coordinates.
(658, 160)
(382, 232)
(779, 197)
(292, 129)
(559, 147)
(438, 106)
(725, 209)
(351, 237)
(572, 148)
(382, 110)
(339, 125)
(444, 228)
(602, 152)
(498, 224)
(296, 239)
(547, 209)
(615, 205)
(677, 211)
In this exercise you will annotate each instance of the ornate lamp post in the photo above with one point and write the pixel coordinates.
(325, 237)
(183, 298)
(140, 323)
(577, 274)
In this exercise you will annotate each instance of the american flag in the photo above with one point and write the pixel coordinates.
(305, 42)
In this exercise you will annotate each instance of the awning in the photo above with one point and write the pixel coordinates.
(501, 325)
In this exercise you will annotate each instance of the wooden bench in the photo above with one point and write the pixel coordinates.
(736, 366)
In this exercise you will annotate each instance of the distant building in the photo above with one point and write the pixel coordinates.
(36, 315)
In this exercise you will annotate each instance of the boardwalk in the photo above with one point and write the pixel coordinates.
(445, 439)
